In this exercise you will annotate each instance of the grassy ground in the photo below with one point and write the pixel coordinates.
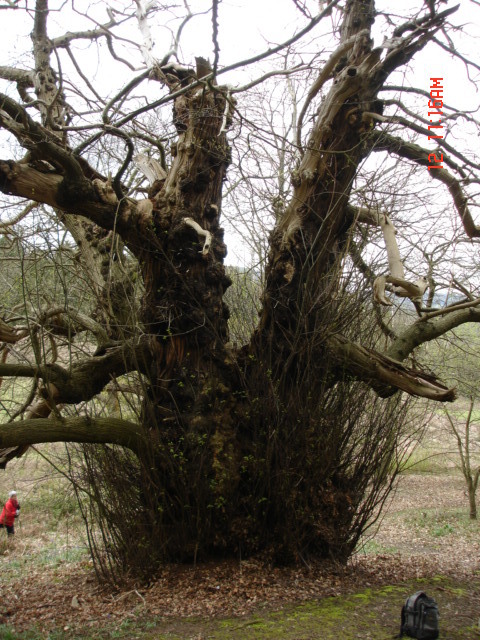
(425, 541)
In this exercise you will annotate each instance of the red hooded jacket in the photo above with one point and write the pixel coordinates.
(7, 517)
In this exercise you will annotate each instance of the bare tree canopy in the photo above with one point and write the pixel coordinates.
(122, 159)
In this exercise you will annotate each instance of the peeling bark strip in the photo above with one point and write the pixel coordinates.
(435, 104)
(401, 287)
(385, 374)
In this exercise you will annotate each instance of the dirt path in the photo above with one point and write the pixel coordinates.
(428, 516)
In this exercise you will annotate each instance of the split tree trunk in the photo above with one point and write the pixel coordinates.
(274, 447)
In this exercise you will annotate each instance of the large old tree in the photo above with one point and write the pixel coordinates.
(284, 443)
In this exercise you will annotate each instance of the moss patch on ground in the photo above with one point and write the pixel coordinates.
(372, 614)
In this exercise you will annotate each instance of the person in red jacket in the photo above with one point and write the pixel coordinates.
(9, 513)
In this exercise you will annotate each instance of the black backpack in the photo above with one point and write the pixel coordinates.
(420, 617)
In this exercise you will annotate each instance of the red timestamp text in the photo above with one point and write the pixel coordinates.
(435, 105)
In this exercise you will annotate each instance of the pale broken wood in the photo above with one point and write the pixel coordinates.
(401, 286)
(201, 232)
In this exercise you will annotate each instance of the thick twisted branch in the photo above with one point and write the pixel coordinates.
(384, 374)
(83, 429)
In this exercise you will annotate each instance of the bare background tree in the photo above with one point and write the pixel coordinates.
(285, 436)
(467, 444)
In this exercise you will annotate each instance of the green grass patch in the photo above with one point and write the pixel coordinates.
(52, 499)
(371, 546)
(461, 415)
(446, 523)
(423, 460)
